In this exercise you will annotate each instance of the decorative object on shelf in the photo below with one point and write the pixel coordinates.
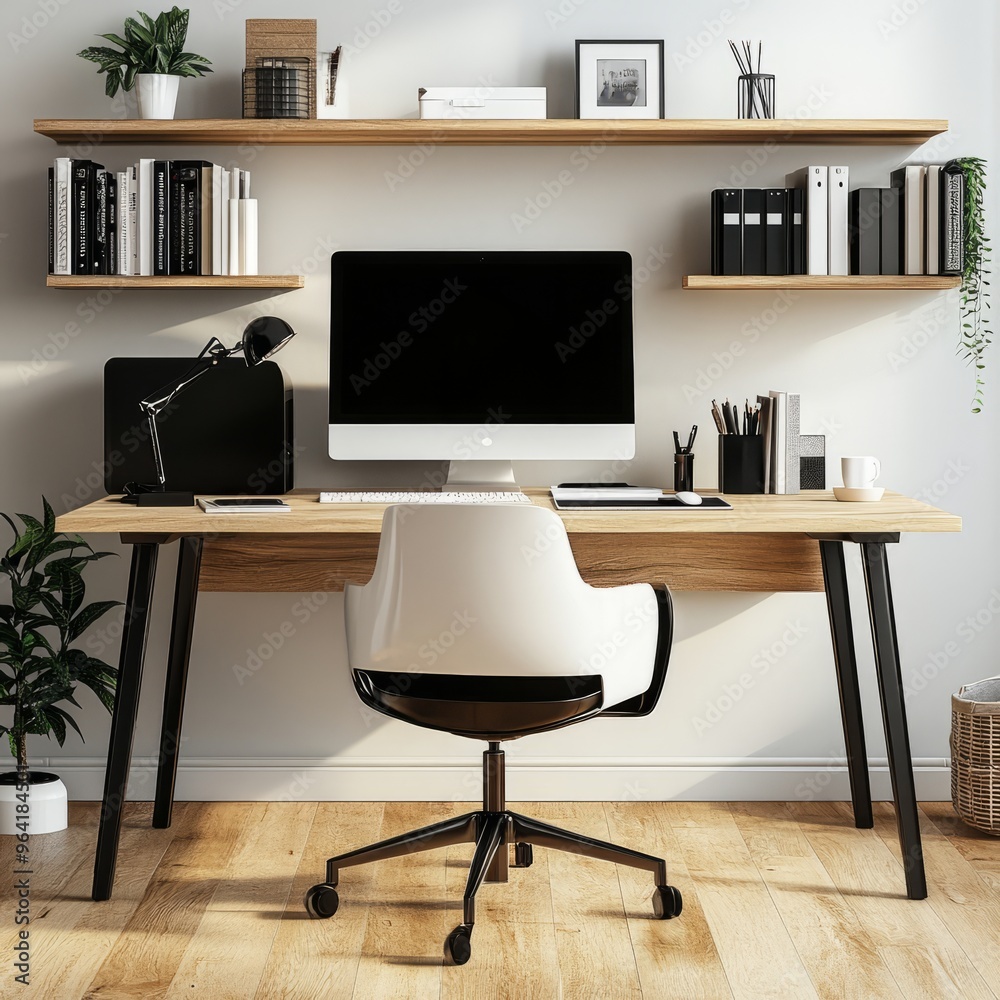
(152, 60)
(39, 666)
(279, 80)
(331, 87)
(976, 335)
(619, 79)
(975, 754)
(493, 103)
(755, 90)
(262, 338)
(812, 461)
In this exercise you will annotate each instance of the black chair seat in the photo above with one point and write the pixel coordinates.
(481, 707)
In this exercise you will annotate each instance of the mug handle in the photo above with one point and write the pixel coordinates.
(878, 468)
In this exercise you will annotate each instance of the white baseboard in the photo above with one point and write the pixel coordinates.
(351, 779)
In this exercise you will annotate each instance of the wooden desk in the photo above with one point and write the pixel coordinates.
(766, 543)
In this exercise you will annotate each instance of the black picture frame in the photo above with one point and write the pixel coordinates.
(582, 107)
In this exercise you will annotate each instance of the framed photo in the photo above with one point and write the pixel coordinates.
(619, 79)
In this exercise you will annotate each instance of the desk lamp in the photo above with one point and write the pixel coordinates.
(262, 338)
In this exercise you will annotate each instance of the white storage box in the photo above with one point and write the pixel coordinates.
(482, 102)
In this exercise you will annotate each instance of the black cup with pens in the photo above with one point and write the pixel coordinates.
(684, 462)
(741, 448)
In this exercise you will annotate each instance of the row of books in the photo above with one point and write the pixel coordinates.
(157, 217)
(819, 226)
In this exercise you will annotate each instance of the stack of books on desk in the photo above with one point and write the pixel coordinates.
(157, 217)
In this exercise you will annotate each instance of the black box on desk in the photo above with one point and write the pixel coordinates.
(812, 461)
(229, 432)
(741, 463)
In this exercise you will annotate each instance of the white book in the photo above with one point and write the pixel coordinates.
(912, 179)
(234, 234)
(778, 442)
(121, 178)
(245, 184)
(932, 216)
(793, 446)
(132, 210)
(227, 180)
(60, 216)
(838, 258)
(145, 217)
(216, 267)
(814, 180)
(248, 236)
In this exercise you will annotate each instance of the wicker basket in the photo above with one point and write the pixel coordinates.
(975, 754)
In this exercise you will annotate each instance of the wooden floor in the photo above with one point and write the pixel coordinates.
(780, 900)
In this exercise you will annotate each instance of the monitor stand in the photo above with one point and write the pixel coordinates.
(477, 475)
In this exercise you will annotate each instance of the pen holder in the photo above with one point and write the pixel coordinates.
(741, 463)
(683, 471)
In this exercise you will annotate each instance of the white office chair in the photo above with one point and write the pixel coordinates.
(477, 622)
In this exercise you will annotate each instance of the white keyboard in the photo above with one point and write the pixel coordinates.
(424, 496)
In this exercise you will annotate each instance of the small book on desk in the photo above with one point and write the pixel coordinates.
(244, 505)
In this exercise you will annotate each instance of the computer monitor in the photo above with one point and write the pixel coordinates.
(481, 357)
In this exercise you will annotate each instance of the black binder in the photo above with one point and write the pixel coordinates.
(775, 234)
(727, 231)
(753, 231)
(864, 230)
(891, 230)
(796, 230)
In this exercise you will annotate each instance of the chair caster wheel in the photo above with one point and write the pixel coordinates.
(523, 856)
(321, 901)
(667, 902)
(458, 945)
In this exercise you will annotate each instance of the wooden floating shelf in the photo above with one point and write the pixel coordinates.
(828, 282)
(470, 132)
(279, 282)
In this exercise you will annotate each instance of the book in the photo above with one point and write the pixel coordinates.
(161, 217)
(132, 250)
(890, 231)
(216, 205)
(952, 203)
(52, 219)
(111, 223)
(864, 216)
(144, 214)
(777, 442)
(932, 217)
(234, 236)
(83, 216)
(227, 180)
(766, 432)
(727, 231)
(837, 248)
(911, 179)
(205, 218)
(775, 231)
(61, 221)
(122, 218)
(795, 230)
(753, 231)
(793, 442)
(248, 235)
(100, 230)
(186, 197)
(813, 181)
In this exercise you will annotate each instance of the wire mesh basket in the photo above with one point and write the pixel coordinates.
(279, 87)
(975, 754)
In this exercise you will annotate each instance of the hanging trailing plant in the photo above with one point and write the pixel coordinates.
(976, 336)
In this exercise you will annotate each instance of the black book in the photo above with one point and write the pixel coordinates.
(775, 231)
(864, 222)
(952, 229)
(796, 230)
(753, 231)
(52, 220)
(101, 223)
(891, 230)
(185, 182)
(83, 215)
(727, 228)
(112, 223)
(161, 216)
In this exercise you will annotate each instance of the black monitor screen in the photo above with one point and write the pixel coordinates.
(461, 336)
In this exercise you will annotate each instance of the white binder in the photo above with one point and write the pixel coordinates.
(838, 261)
(814, 180)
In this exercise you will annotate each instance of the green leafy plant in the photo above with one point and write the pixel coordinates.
(976, 335)
(39, 666)
(151, 47)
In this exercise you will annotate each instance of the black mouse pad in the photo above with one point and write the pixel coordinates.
(661, 503)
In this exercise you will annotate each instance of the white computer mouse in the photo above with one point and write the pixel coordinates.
(691, 499)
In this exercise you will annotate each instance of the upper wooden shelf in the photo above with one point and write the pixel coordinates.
(279, 282)
(829, 282)
(469, 132)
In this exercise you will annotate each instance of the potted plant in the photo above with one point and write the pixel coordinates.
(151, 59)
(39, 665)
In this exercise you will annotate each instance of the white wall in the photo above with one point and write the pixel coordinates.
(295, 726)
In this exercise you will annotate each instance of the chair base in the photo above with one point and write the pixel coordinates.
(493, 829)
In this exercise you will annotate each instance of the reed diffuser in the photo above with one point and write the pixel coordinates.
(755, 90)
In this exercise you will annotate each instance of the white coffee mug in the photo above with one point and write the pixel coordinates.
(860, 471)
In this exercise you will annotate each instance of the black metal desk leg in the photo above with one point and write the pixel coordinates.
(178, 657)
(890, 682)
(133, 651)
(839, 607)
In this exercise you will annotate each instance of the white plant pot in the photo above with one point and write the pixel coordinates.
(46, 804)
(156, 94)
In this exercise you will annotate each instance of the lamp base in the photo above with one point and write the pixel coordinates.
(168, 499)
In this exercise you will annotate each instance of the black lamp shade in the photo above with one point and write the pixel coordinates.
(263, 337)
